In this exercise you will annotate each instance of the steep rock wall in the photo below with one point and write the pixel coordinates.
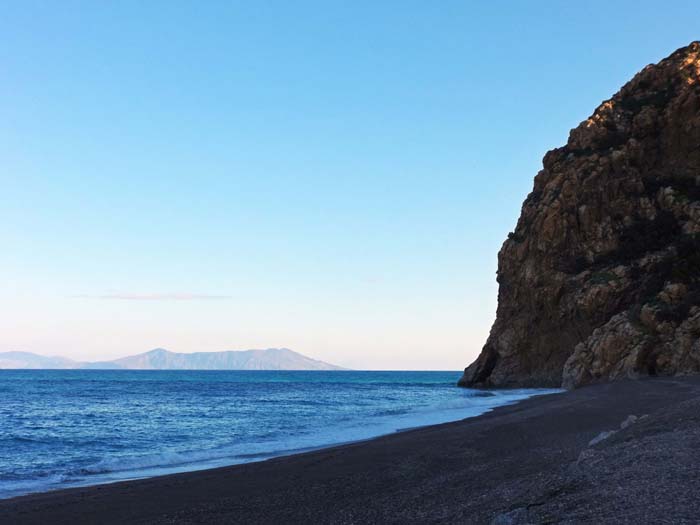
(601, 277)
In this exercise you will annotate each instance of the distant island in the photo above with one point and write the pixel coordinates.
(161, 359)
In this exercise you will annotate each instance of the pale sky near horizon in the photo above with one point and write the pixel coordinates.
(331, 177)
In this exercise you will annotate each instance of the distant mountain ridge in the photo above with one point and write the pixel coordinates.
(29, 360)
(161, 359)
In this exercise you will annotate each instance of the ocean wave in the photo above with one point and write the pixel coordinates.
(161, 459)
(16, 487)
(23, 439)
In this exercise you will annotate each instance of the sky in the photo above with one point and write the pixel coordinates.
(332, 177)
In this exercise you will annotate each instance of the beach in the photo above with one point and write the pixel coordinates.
(75, 428)
(530, 462)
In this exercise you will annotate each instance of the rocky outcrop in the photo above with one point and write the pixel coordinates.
(601, 277)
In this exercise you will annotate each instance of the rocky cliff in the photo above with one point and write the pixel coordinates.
(601, 277)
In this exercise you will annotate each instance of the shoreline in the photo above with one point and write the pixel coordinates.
(530, 457)
(509, 397)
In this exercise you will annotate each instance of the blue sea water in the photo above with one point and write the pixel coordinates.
(61, 428)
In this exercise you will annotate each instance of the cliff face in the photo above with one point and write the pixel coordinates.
(601, 277)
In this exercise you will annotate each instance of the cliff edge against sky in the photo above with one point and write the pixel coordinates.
(601, 278)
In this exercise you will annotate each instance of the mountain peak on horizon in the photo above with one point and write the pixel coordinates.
(163, 359)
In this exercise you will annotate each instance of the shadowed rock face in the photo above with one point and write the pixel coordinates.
(601, 277)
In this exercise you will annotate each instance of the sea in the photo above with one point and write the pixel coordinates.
(66, 428)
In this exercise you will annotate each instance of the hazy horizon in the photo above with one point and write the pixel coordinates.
(234, 350)
(204, 177)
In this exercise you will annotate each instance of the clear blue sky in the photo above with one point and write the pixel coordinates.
(333, 177)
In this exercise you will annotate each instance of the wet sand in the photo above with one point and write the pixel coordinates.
(525, 463)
